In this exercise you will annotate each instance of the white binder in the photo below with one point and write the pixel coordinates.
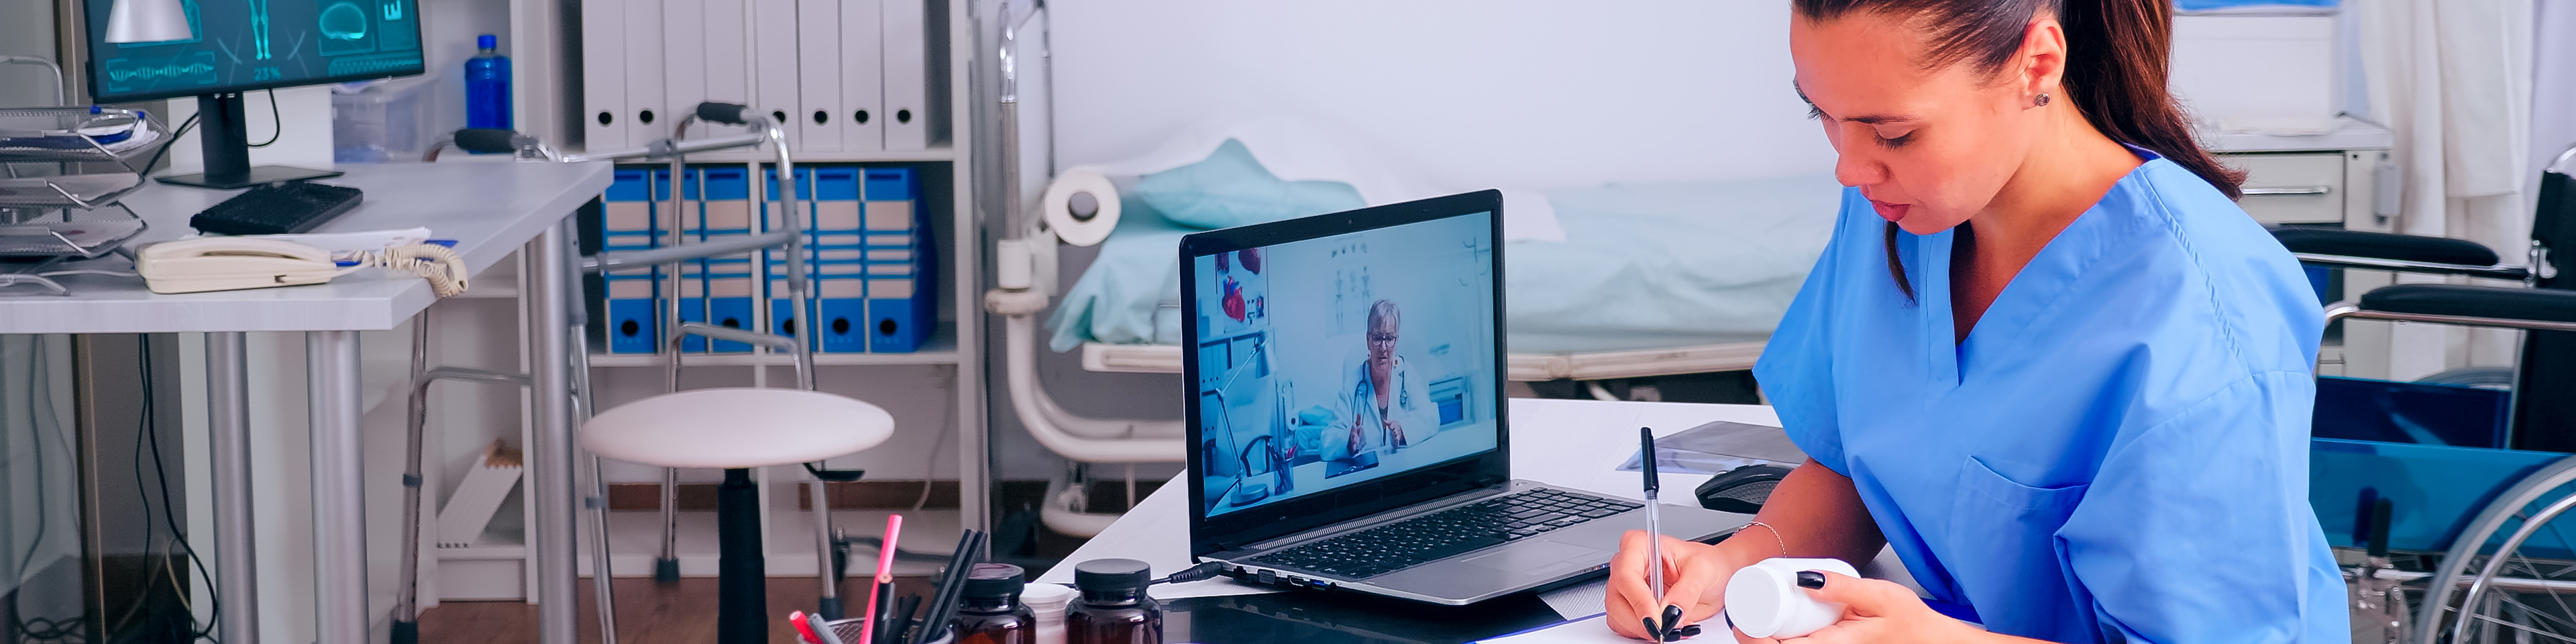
(820, 117)
(603, 71)
(773, 45)
(728, 61)
(684, 60)
(862, 91)
(907, 71)
(648, 117)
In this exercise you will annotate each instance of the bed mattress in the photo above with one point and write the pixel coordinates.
(1642, 267)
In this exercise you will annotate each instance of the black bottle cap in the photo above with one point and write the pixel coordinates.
(995, 581)
(1111, 575)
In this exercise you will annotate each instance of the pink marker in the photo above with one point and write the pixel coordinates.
(885, 574)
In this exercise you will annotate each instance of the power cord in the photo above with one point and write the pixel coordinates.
(1205, 570)
(40, 629)
(277, 125)
(182, 130)
(161, 475)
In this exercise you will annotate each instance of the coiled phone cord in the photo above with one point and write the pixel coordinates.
(438, 264)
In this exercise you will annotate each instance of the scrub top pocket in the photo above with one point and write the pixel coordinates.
(1997, 520)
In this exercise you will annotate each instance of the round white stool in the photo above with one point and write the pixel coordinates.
(737, 429)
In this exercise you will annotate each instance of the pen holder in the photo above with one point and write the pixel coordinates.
(1764, 599)
(848, 631)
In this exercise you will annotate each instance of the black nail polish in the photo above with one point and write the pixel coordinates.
(1672, 616)
(1652, 630)
(1811, 579)
(1690, 631)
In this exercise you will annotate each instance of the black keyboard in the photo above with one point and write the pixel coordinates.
(276, 209)
(1439, 535)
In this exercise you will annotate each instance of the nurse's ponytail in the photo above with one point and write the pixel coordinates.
(2117, 52)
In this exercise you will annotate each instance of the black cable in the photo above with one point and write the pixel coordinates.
(40, 628)
(161, 475)
(278, 126)
(182, 130)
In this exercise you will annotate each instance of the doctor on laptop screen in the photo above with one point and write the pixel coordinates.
(1341, 359)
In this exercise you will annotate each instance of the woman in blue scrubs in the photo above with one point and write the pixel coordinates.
(2045, 357)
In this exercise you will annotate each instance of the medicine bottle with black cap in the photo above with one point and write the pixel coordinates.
(1114, 608)
(990, 610)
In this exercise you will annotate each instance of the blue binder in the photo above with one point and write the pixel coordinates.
(903, 288)
(626, 223)
(840, 274)
(728, 213)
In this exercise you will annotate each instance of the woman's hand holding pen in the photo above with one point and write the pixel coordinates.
(1695, 574)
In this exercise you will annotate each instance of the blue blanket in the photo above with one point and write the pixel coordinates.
(1642, 266)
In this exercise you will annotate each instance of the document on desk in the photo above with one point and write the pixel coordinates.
(1586, 630)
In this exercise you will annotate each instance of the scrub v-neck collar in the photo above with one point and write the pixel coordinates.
(2040, 283)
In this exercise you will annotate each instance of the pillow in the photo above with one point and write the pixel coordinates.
(1231, 189)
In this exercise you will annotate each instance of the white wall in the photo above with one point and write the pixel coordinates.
(27, 29)
(1518, 93)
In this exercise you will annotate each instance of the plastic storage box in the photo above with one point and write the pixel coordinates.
(376, 122)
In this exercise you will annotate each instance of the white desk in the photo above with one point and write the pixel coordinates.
(491, 210)
(1571, 443)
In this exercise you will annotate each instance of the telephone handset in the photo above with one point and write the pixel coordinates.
(228, 263)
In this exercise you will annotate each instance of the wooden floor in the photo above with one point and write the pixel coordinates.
(647, 613)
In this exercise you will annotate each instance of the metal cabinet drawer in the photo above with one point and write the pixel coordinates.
(2292, 188)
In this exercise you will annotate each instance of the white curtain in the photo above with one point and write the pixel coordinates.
(2553, 91)
(2453, 80)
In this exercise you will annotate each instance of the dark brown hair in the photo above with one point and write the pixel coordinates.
(2116, 53)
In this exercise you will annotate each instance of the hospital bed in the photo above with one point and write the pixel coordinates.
(1619, 281)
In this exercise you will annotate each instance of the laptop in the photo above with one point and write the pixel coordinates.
(1346, 408)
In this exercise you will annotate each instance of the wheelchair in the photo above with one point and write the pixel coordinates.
(2476, 550)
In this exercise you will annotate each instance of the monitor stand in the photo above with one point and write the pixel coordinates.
(224, 136)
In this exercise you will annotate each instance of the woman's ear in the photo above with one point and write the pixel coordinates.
(2041, 65)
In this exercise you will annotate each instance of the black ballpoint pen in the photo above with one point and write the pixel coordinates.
(1654, 534)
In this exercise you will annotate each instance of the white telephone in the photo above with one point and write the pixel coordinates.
(228, 263)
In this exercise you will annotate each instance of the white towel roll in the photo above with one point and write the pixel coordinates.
(1081, 206)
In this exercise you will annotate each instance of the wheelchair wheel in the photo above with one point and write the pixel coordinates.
(2512, 573)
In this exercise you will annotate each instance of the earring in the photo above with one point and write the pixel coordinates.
(2041, 101)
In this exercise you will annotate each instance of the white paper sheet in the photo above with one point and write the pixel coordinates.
(1586, 630)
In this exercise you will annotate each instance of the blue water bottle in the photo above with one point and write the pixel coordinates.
(487, 86)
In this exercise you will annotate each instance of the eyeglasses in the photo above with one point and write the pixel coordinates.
(1388, 338)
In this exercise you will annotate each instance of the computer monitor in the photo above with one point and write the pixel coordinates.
(1341, 350)
(247, 45)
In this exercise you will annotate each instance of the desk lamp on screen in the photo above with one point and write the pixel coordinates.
(219, 50)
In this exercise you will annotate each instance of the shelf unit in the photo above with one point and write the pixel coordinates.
(934, 155)
(549, 100)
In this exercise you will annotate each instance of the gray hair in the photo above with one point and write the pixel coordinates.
(1384, 311)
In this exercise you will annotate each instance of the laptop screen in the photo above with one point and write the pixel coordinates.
(1325, 362)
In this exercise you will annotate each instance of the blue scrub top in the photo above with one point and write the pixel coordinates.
(2119, 451)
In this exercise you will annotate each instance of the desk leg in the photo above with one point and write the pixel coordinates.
(228, 406)
(339, 498)
(551, 449)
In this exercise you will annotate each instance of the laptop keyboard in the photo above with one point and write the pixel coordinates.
(1431, 537)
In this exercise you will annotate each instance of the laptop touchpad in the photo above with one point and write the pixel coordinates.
(1530, 555)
